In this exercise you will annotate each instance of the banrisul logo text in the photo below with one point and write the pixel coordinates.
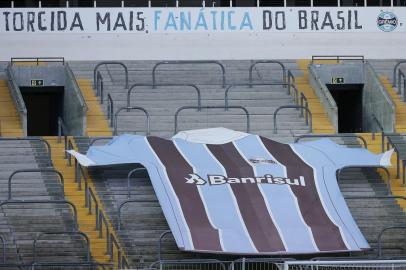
(387, 21)
(215, 180)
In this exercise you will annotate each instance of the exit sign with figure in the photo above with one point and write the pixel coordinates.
(37, 83)
(337, 80)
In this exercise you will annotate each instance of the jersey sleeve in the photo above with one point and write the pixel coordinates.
(344, 156)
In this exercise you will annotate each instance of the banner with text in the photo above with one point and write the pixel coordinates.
(202, 20)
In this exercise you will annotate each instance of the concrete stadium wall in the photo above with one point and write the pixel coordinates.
(202, 33)
(241, 46)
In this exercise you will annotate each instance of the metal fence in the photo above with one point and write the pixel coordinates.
(278, 264)
(344, 265)
(211, 264)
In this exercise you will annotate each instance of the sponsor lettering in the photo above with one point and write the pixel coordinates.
(215, 180)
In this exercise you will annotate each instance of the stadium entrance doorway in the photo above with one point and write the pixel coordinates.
(348, 98)
(44, 106)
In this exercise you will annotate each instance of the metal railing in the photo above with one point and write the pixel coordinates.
(39, 237)
(212, 107)
(19, 266)
(348, 264)
(74, 210)
(91, 202)
(99, 86)
(387, 173)
(70, 266)
(92, 141)
(358, 137)
(29, 139)
(62, 130)
(110, 63)
(338, 58)
(223, 70)
(379, 251)
(305, 104)
(165, 233)
(382, 132)
(213, 264)
(110, 110)
(201, 264)
(395, 81)
(17, 97)
(199, 98)
(291, 78)
(59, 174)
(397, 151)
(284, 79)
(401, 78)
(129, 179)
(290, 87)
(4, 248)
(120, 207)
(132, 108)
(38, 60)
(309, 123)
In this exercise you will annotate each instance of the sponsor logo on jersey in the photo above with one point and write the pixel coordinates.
(215, 180)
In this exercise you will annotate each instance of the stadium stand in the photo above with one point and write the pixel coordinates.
(98, 195)
(163, 101)
(35, 207)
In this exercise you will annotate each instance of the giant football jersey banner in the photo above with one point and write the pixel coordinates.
(231, 192)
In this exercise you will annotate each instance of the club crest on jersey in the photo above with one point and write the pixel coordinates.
(215, 180)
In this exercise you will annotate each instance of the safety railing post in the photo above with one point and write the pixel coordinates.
(291, 86)
(154, 85)
(247, 115)
(395, 70)
(110, 63)
(134, 108)
(3, 244)
(381, 234)
(40, 235)
(160, 244)
(47, 145)
(362, 139)
(387, 173)
(382, 132)
(59, 130)
(309, 123)
(223, 70)
(45, 170)
(251, 69)
(22, 202)
(129, 179)
(120, 207)
(110, 109)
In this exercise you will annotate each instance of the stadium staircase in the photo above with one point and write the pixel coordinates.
(10, 125)
(21, 224)
(321, 121)
(96, 126)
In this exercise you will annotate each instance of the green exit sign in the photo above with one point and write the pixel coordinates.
(337, 80)
(37, 83)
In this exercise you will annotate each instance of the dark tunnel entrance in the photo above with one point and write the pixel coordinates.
(44, 107)
(348, 98)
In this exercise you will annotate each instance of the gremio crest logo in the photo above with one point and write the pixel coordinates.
(215, 180)
(387, 21)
